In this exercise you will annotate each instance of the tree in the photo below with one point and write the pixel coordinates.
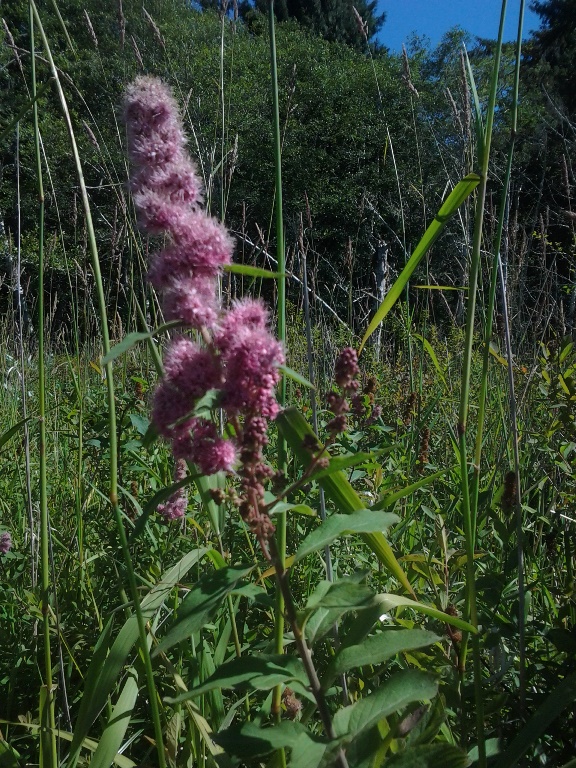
(334, 20)
(553, 49)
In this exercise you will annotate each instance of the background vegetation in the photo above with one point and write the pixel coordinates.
(372, 142)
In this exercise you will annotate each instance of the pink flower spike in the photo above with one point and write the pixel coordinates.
(176, 505)
(155, 134)
(192, 301)
(168, 408)
(246, 316)
(251, 372)
(207, 242)
(190, 368)
(5, 542)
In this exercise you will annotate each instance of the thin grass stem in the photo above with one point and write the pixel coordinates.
(48, 746)
(113, 437)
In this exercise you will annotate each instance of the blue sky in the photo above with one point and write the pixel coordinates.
(434, 17)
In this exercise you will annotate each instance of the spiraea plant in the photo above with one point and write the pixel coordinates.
(215, 403)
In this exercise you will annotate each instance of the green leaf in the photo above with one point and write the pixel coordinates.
(8, 756)
(389, 602)
(454, 200)
(298, 509)
(248, 740)
(378, 648)
(294, 428)
(13, 430)
(104, 670)
(202, 603)
(330, 601)
(391, 498)
(432, 355)
(394, 694)
(111, 740)
(245, 269)
(261, 673)
(359, 521)
(492, 747)
(561, 697)
(429, 756)
(295, 376)
(131, 339)
(339, 463)
(478, 121)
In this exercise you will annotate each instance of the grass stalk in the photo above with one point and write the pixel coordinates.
(497, 273)
(281, 286)
(48, 747)
(23, 388)
(113, 437)
(467, 508)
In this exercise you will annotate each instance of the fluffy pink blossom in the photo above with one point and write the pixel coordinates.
(192, 369)
(201, 247)
(193, 301)
(169, 410)
(203, 446)
(245, 317)
(251, 373)
(177, 504)
(155, 134)
(5, 542)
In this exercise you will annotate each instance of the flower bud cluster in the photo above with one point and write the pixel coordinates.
(5, 542)
(346, 372)
(239, 357)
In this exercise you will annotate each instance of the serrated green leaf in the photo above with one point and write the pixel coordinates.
(261, 673)
(298, 509)
(379, 648)
(339, 463)
(394, 694)
(248, 740)
(391, 498)
(202, 603)
(459, 194)
(429, 756)
(331, 600)
(359, 521)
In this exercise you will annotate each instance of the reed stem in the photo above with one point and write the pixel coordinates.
(48, 748)
(113, 436)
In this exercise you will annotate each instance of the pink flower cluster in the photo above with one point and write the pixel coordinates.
(5, 542)
(239, 357)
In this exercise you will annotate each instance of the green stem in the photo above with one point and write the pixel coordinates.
(281, 283)
(468, 511)
(113, 437)
(48, 750)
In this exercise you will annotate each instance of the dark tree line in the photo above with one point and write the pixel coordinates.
(356, 130)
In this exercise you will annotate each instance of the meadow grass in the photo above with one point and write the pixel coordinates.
(344, 640)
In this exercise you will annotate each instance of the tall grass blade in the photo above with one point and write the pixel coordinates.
(459, 194)
(111, 740)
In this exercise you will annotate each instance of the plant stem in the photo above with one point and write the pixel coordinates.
(303, 650)
(113, 437)
(48, 750)
(468, 512)
(281, 283)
